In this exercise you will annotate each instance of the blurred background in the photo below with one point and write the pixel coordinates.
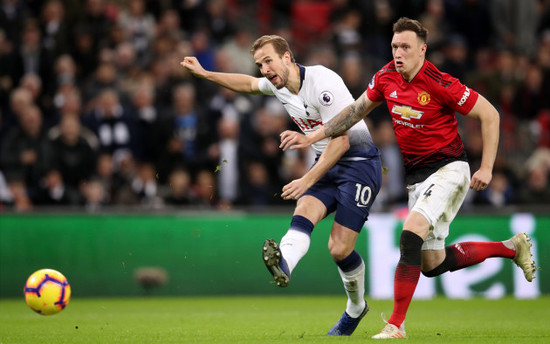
(97, 112)
(98, 117)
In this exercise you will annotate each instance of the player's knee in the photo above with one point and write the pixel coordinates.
(430, 273)
(436, 271)
(339, 251)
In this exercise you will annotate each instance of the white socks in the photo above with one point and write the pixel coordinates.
(354, 283)
(294, 246)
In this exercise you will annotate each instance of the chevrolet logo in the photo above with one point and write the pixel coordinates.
(406, 112)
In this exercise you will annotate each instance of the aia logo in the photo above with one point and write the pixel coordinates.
(326, 98)
(306, 124)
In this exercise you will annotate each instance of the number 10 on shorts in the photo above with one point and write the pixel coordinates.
(362, 195)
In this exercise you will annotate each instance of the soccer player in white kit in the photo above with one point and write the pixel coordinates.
(345, 178)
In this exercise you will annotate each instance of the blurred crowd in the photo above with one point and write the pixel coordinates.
(96, 110)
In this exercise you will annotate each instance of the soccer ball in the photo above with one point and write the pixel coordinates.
(47, 292)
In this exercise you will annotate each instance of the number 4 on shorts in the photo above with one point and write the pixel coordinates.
(428, 192)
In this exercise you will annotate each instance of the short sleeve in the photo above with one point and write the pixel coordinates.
(460, 97)
(330, 93)
(265, 86)
(374, 90)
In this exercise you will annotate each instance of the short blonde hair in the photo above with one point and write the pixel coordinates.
(279, 44)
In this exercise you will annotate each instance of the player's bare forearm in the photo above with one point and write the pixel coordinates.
(236, 82)
(490, 124)
(490, 133)
(334, 150)
(490, 130)
(332, 153)
(348, 117)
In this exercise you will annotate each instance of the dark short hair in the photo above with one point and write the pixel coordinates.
(407, 24)
(279, 44)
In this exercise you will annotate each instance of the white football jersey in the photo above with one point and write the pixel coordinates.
(322, 96)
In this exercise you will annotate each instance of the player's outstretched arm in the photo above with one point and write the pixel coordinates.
(490, 123)
(236, 82)
(338, 125)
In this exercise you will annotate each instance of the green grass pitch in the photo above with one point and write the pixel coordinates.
(270, 319)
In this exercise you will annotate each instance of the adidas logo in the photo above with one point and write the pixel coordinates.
(393, 94)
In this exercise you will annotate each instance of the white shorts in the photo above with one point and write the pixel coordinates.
(439, 198)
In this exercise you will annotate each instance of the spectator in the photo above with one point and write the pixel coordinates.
(260, 139)
(393, 188)
(220, 28)
(257, 189)
(144, 186)
(529, 97)
(436, 22)
(499, 194)
(455, 52)
(65, 74)
(54, 191)
(184, 136)
(238, 51)
(228, 159)
(113, 125)
(346, 33)
(94, 195)
(26, 152)
(13, 14)
(31, 57)
(536, 190)
(515, 25)
(473, 20)
(148, 117)
(139, 27)
(205, 189)
(55, 32)
(20, 99)
(18, 195)
(203, 49)
(8, 77)
(169, 25)
(353, 73)
(107, 178)
(73, 157)
(128, 71)
(179, 188)
(69, 103)
(104, 77)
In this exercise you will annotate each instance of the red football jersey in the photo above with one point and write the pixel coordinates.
(423, 111)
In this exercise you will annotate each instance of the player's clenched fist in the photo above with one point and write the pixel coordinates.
(192, 64)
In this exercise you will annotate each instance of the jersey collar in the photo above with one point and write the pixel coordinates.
(419, 71)
(302, 74)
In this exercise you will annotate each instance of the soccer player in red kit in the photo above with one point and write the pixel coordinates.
(422, 102)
